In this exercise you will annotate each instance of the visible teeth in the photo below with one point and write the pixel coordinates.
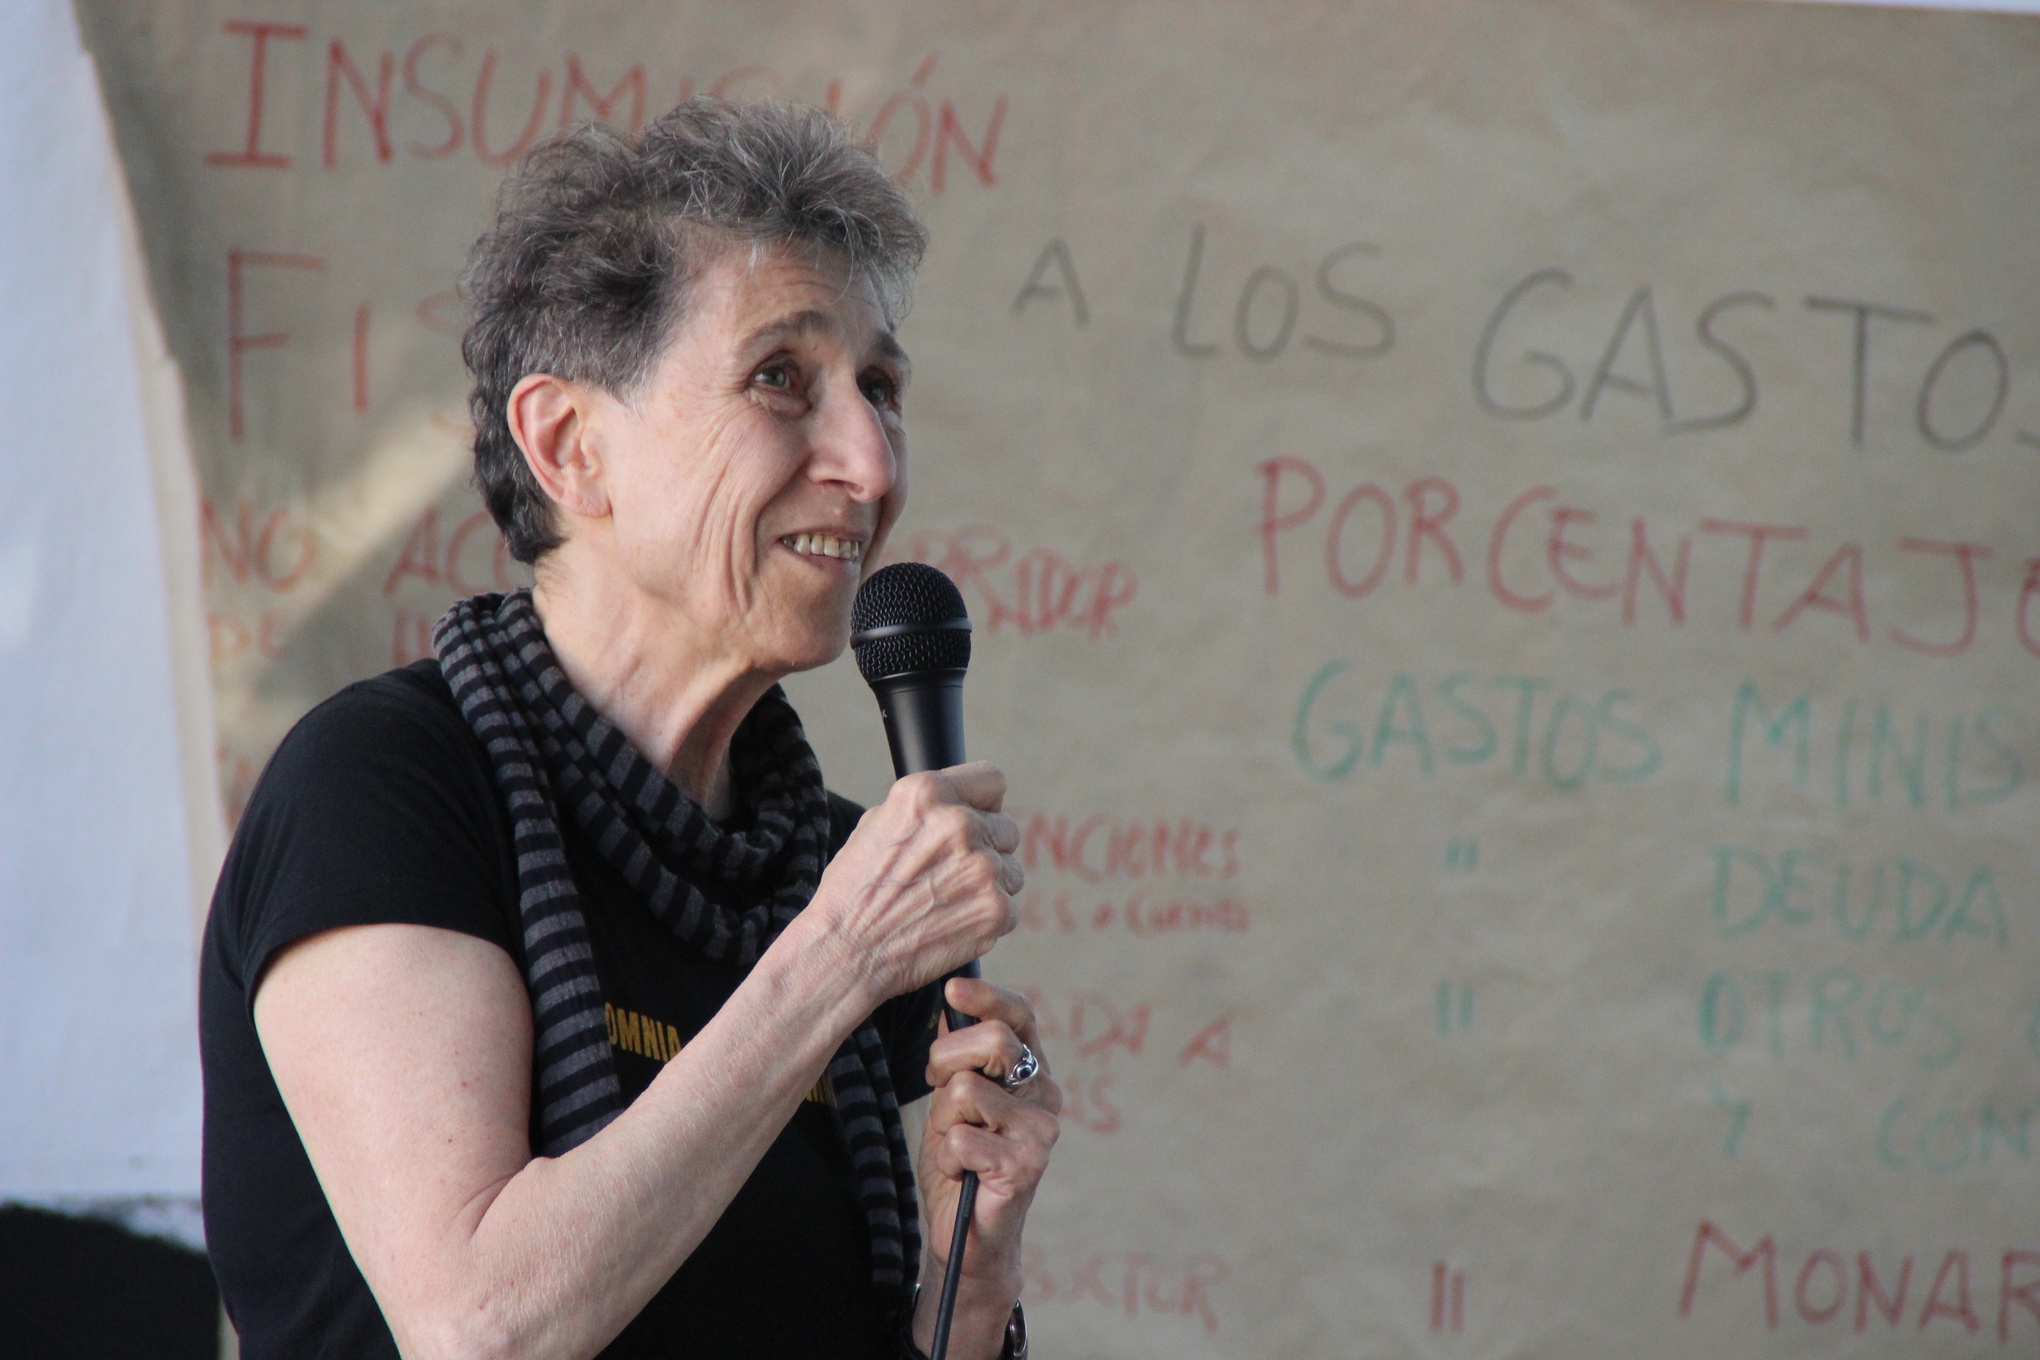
(821, 545)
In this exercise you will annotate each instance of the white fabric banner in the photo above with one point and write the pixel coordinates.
(98, 1034)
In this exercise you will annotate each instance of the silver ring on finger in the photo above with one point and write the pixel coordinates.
(1025, 1068)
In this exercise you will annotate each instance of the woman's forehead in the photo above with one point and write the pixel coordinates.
(760, 297)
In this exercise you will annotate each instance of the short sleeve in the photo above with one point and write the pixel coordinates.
(377, 809)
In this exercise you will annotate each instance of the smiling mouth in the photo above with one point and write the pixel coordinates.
(821, 545)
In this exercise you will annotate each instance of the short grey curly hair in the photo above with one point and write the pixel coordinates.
(597, 236)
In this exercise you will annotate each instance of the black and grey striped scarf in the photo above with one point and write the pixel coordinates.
(549, 748)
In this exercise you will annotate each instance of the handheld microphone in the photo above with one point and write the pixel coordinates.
(911, 634)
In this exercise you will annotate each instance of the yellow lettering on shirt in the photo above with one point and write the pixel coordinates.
(659, 1041)
(641, 1034)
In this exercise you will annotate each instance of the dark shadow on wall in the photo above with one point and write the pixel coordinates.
(77, 1287)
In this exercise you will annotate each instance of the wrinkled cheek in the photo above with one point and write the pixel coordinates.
(722, 560)
(732, 556)
(675, 553)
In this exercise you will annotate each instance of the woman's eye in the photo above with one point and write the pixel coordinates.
(778, 377)
(881, 391)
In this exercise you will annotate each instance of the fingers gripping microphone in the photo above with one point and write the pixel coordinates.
(911, 634)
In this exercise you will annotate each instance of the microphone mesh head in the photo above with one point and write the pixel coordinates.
(926, 606)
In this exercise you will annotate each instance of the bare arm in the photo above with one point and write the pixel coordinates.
(404, 1056)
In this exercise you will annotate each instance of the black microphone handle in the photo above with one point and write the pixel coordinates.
(923, 713)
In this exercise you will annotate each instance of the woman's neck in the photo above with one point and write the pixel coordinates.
(663, 686)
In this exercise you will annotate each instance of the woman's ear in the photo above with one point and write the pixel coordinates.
(549, 419)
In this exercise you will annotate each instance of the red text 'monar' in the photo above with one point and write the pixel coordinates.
(1994, 1293)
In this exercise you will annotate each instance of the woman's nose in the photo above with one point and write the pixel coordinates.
(852, 446)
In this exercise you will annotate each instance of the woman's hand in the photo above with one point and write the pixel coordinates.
(926, 881)
(976, 1124)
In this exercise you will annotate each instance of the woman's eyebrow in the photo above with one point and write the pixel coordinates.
(814, 319)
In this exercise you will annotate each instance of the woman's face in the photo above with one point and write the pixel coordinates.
(763, 461)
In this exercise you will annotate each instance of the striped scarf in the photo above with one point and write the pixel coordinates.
(549, 748)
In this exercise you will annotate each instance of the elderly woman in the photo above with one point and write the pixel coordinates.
(551, 1007)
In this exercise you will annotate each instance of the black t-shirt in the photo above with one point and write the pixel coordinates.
(379, 808)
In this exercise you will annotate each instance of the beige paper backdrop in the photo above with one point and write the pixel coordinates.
(1502, 539)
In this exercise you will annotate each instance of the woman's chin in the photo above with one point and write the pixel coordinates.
(805, 649)
(813, 661)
